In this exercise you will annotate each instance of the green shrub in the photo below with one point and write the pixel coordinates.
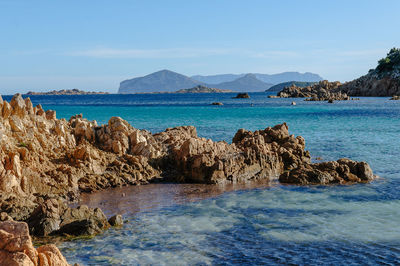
(390, 61)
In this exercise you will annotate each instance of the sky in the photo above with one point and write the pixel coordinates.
(95, 44)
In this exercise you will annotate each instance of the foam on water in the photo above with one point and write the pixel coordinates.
(174, 224)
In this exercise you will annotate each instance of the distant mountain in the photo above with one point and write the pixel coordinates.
(247, 83)
(169, 81)
(273, 78)
(161, 81)
(280, 86)
(289, 76)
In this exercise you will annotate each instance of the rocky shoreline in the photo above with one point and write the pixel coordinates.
(47, 162)
(66, 92)
(383, 81)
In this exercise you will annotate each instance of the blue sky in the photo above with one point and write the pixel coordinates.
(93, 45)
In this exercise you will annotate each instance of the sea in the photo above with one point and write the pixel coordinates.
(260, 223)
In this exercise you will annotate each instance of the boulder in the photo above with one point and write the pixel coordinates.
(116, 220)
(54, 217)
(16, 247)
(83, 221)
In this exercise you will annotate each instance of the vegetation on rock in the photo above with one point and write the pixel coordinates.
(390, 62)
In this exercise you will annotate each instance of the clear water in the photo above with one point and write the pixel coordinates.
(274, 224)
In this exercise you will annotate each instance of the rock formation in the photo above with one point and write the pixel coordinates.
(242, 96)
(66, 92)
(16, 247)
(340, 172)
(321, 91)
(395, 98)
(45, 162)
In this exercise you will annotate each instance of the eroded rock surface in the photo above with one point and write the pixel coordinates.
(16, 247)
(322, 91)
(336, 172)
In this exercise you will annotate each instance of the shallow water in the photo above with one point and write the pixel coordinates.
(185, 224)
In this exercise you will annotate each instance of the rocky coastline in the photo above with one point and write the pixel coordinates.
(47, 162)
(66, 92)
(383, 81)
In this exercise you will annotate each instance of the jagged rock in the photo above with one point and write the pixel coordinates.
(340, 172)
(18, 105)
(50, 114)
(252, 155)
(28, 106)
(395, 97)
(116, 220)
(6, 110)
(16, 247)
(322, 91)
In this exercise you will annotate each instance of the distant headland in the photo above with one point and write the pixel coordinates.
(66, 92)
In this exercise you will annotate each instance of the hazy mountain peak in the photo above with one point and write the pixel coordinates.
(169, 81)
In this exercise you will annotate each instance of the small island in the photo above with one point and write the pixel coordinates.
(66, 92)
(202, 89)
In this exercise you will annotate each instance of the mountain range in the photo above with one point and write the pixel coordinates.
(169, 81)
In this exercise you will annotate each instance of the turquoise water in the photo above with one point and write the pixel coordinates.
(275, 224)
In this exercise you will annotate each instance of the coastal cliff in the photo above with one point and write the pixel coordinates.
(46, 162)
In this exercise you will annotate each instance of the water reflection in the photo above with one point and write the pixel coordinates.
(134, 199)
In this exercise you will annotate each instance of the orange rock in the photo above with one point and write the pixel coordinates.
(16, 247)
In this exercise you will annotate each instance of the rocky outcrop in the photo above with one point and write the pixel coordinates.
(242, 96)
(45, 162)
(384, 80)
(373, 85)
(395, 98)
(321, 91)
(53, 216)
(336, 172)
(16, 247)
